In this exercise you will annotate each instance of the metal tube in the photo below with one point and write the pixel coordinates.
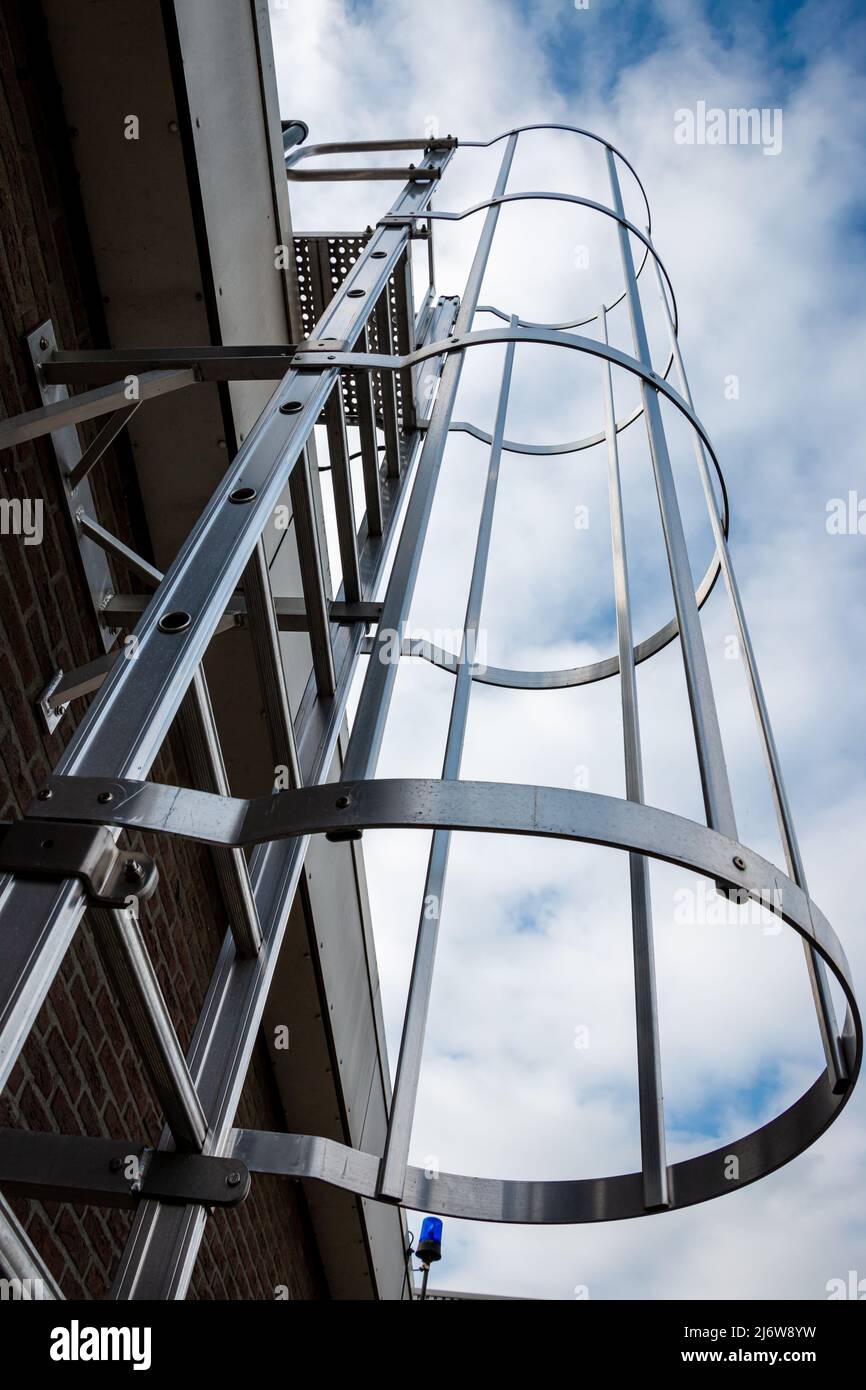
(113, 545)
(398, 1138)
(87, 405)
(94, 451)
(123, 950)
(372, 712)
(652, 1124)
(827, 1024)
(708, 739)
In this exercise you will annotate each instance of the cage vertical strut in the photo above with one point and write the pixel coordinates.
(360, 363)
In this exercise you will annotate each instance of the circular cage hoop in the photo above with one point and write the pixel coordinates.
(345, 810)
(608, 821)
(549, 337)
(555, 813)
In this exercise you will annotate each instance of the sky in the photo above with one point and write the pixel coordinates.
(764, 244)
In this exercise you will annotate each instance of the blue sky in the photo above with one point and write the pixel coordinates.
(766, 258)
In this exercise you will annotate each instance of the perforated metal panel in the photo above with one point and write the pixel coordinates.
(323, 261)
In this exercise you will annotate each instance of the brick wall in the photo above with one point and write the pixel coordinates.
(78, 1072)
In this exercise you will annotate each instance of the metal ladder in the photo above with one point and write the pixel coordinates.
(360, 365)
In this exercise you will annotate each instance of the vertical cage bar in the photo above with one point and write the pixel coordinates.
(652, 1123)
(378, 687)
(828, 1027)
(708, 739)
(393, 1172)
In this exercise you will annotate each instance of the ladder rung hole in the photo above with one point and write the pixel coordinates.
(175, 622)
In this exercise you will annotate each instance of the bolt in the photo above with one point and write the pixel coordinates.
(233, 1180)
(739, 862)
(105, 797)
(134, 872)
(115, 1165)
(45, 794)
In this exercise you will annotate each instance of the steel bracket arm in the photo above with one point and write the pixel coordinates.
(115, 1172)
(48, 849)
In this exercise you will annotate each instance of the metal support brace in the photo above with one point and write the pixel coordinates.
(115, 1172)
(46, 849)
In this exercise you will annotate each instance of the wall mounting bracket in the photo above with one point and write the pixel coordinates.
(115, 1172)
(59, 850)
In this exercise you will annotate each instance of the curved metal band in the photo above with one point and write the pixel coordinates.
(550, 197)
(573, 446)
(570, 130)
(549, 812)
(573, 1202)
(601, 670)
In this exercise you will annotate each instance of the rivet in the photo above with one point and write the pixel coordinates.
(342, 802)
(242, 494)
(233, 1180)
(43, 344)
(739, 862)
(356, 294)
(105, 797)
(45, 794)
(290, 407)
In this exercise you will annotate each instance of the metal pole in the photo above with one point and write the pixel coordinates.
(396, 1156)
(372, 712)
(652, 1124)
(708, 739)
